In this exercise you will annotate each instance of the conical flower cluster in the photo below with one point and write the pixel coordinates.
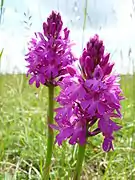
(49, 53)
(89, 99)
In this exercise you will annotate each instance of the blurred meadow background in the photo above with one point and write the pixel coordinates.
(23, 107)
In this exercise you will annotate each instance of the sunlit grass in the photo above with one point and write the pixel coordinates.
(23, 137)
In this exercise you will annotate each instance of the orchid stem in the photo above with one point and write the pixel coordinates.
(50, 139)
(81, 153)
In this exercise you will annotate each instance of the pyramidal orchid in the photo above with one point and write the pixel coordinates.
(49, 53)
(89, 97)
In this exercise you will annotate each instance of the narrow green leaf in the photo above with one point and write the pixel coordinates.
(1, 53)
(85, 14)
(1, 9)
(2, 3)
(84, 22)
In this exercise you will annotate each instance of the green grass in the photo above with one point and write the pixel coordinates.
(23, 137)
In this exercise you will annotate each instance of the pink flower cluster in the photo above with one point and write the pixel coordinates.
(49, 53)
(89, 97)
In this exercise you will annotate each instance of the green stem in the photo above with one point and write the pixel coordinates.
(80, 158)
(50, 139)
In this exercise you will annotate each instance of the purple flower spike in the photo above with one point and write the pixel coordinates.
(89, 97)
(49, 53)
